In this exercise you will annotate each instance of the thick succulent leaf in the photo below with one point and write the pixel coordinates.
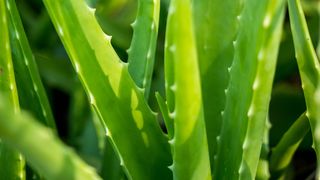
(282, 154)
(215, 33)
(263, 172)
(309, 69)
(245, 113)
(262, 86)
(11, 162)
(111, 168)
(189, 143)
(29, 83)
(143, 149)
(20, 131)
(141, 54)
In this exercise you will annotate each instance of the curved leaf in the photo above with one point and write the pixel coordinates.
(309, 69)
(129, 122)
(189, 143)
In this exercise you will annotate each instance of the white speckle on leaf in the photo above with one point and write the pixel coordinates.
(172, 48)
(222, 113)
(238, 17)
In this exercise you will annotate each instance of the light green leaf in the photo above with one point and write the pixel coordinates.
(189, 143)
(29, 83)
(309, 69)
(283, 152)
(141, 54)
(11, 162)
(37, 143)
(112, 93)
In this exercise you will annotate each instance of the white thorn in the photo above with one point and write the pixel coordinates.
(108, 37)
(91, 99)
(173, 87)
(35, 87)
(171, 141)
(17, 35)
(77, 67)
(255, 84)
(60, 31)
(172, 115)
(11, 87)
(250, 112)
(26, 62)
(266, 21)
(260, 55)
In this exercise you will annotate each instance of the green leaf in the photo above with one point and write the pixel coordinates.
(141, 54)
(189, 143)
(282, 154)
(309, 69)
(112, 93)
(262, 86)
(248, 93)
(215, 32)
(166, 115)
(28, 136)
(11, 162)
(29, 83)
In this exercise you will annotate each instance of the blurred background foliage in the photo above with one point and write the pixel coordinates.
(76, 124)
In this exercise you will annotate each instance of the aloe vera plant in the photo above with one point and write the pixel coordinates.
(216, 75)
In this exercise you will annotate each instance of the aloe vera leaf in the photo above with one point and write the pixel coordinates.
(141, 54)
(111, 168)
(283, 152)
(263, 172)
(262, 87)
(215, 33)
(250, 61)
(309, 70)
(189, 143)
(20, 130)
(166, 115)
(29, 83)
(11, 162)
(112, 93)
